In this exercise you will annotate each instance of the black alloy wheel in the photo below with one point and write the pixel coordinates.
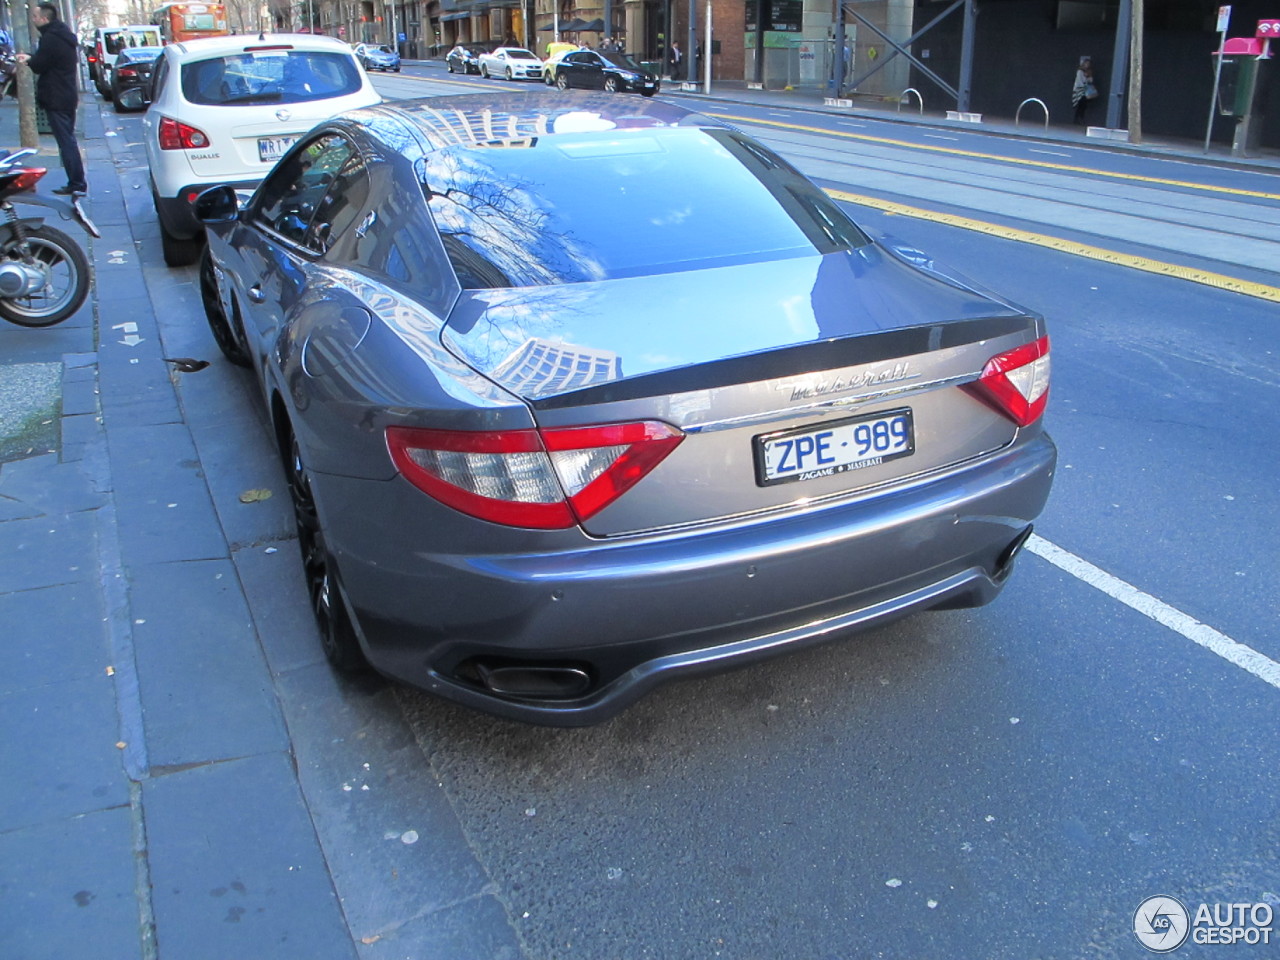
(562, 82)
(337, 635)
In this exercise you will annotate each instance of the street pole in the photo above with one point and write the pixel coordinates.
(1135, 74)
(1224, 20)
(690, 52)
(706, 54)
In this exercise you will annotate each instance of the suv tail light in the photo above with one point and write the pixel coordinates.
(543, 479)
(126, 72)
(175, 135)
(1016, 382)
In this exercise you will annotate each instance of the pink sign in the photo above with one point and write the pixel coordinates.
(1268, 29)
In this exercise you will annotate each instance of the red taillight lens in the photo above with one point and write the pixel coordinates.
(547, 480)
(175, 135)
(1017, 382)
(27, 178)
(126, 72)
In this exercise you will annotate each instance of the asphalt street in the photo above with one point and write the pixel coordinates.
(190, 780)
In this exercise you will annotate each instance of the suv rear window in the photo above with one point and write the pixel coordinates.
(270, 76)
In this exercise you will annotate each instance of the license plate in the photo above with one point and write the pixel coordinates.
(273, 148)
(811, 452)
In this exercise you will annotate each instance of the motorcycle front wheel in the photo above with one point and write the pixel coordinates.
(66, 270)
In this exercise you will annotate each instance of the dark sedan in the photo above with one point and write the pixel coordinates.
(577, 393)
(132, 68)
(465, 57)
(604, 70)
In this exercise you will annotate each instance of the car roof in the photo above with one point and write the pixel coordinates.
(222, 46)
(482, 119)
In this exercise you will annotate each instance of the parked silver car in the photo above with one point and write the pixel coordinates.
(578, 393)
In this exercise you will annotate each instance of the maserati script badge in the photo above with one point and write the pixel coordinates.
(868, 378)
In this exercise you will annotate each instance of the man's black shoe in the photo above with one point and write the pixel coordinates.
(68, 191)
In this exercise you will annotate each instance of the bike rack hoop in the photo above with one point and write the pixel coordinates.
(919, 99)
(1018, 114)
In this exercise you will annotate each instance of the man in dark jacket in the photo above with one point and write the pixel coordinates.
(57, 63)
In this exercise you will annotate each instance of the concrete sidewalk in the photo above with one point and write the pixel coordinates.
(184, 776)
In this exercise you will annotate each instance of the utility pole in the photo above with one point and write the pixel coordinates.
(1135, 74)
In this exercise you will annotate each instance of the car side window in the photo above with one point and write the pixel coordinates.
(340, 205)
(290, 197)
(158, 78)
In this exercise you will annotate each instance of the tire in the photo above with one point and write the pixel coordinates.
(448, 65)
(396, 69)
(509, 76)
(178, 252)
(610, 84)
(562, 82)
(67, 274)
(484, 70)
(647, 93)
(227, 331)
(115, 104)
(337, 635)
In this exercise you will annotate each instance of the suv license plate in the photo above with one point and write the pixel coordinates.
(271, 149)
(833, 448)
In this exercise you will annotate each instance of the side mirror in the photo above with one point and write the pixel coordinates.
(217, 205)
(133, 99)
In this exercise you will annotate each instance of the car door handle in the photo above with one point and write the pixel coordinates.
(256, 294)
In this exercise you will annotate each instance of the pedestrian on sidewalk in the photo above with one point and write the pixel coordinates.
(677, 61)
(56, 64)
(1083, 90)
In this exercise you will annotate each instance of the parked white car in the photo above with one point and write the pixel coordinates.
(511, 63)
(225, 109)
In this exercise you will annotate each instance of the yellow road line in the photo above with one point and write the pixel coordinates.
(1205, 277)
(955, 151)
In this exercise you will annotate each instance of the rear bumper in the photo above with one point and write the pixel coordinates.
(634, 613)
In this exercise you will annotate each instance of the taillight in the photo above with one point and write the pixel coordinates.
(26, 178)
(126, 72)
(1016, 382)
(175, 135)
(543, 479)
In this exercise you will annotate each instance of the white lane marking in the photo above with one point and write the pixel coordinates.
(846, 123)
(775, 113)
(938, 136)
(1245, 657)
(1048, 153)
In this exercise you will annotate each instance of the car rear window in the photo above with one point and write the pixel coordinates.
(598, 206)
(270, 76)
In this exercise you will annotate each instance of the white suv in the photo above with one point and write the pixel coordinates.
(225, 109)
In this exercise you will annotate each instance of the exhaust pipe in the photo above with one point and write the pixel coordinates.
(535, 682)
(1004, 565)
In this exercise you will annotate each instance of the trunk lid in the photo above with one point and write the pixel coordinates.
(777, 372)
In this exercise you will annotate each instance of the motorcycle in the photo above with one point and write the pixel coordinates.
(44, 275)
